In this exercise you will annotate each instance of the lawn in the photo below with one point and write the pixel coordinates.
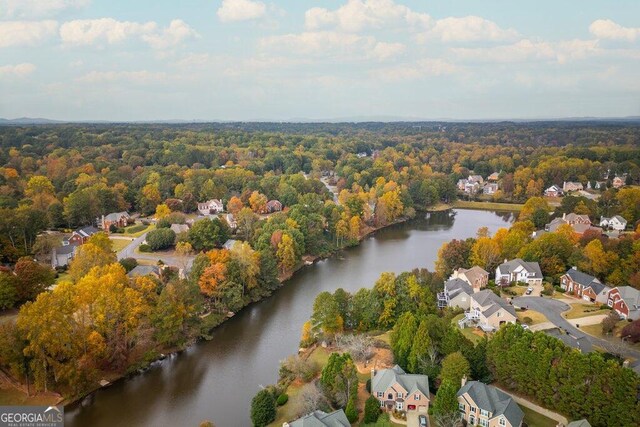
(473, 334)
(490, 206)
(386, 337)
(536, 419)
(383, 421)
(137, 233)
(535, 316)
(119, 244)
(289, 411)
(582, 310)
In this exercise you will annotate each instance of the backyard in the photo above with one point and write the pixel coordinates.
(581, 310)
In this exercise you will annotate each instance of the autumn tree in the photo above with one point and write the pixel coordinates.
(234, 205)
(485, 253)
(454, 367)
(258, 202)
(286, 253)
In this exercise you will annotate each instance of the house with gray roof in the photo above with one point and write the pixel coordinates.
(395, 389)
(321, 419)
(625, 300)
(179, 228)
(62, 255)
(490, 311)
(457, 293)
(518, 270)
(581, 285)
(581, 343)
(476, 276)
(229, 244)
(616, 222)
(485, 405)
(144, 270)
(117, 219)
(80, 236)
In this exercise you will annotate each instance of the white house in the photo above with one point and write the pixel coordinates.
(553, 191)
(518, 270)
(210, 207)
(615, 222)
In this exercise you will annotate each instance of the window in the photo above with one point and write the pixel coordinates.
(381, 404)
(399, 395)
(472, 420)
(416, 396)
(472, 409)
(502, 421)
(461, 407)
(484, 413)
(483, 423)
(380, 394)
(399, 406)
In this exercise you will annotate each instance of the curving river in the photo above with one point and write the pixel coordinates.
(216, 380)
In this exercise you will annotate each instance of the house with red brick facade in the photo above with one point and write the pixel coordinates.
(117, 219)
(584, 286)
(80, 236)
(395, 389)
(625, 300)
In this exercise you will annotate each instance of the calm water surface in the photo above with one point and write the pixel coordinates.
(216, 380)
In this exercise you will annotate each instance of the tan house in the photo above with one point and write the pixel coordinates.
(484, 405)
(395, 389)
(490, 311)
(572, 186)
(618, 182)
(457, 294)
(475, 276)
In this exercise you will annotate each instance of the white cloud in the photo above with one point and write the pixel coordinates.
(105, 30)
(607, 29)
(26, 33)
(318, 43)
(530, 51)
(173, 35)
(241, 10)
(383, 51)
(467, 29)
(138, 77)
(18, 70)
(37, 8)
(426, 67)
(357, 15)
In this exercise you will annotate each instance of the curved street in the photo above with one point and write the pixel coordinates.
(552, 309)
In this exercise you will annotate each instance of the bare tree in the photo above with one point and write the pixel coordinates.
(360, 347)
(312, 398)
(448, 420)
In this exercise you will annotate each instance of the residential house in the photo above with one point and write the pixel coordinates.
(493, 177)
(179, 228)
(361, 154)
(117, 219)
(518, 270)
(457, 293)
(61, 256)
(209, 207)
(395, 389)
(475, 276)
(231, 221)
(625, 300)
(273, 206)
(587, 195)
(573, 219)
(471, 187)
(581, 285)
(321, 419)
(490, 311)
(553, 191)
(476, 178)
(568, 186)
(80, 236)
(579, 223)
(461, 184)
(615, 223)
(490, 188)
(600, 185)
(618, 182)
(145, 270)
(485, 405)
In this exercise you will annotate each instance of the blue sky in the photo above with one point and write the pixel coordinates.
(282, 60)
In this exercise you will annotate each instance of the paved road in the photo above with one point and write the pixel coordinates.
(130, 252)
(553, 309)
(333, 189)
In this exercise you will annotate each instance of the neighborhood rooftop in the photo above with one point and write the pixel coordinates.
(495, 401)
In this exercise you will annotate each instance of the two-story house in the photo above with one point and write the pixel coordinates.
(457, 293)
(80, 236)
(484, 405)
(583, 285)
(62, 255)
(571, 186)
(618, 182)
(490, 311)
(476, 276)
(518, 270)
(490, 188)
(553, 191)
(273, 206)
(209, 207)
(395, 389)
(625, 300)
(616, 222)
(117, 219)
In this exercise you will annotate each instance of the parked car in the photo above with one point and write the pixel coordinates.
(525, 327)
(529, 290)
(422, 420)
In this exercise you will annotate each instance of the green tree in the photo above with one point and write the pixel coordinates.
(326, 314)
(402, 337)
(371, 410)
(263, 408)
(8, 291)
(162, 238)
(454, 367)
(339, 379)
(420, 349)
(207, 234)
(446, 402)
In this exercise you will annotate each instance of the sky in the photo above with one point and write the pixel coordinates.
(129, 60)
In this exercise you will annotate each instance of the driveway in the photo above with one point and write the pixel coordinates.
(412, 418)
(553, 309)
(130, 252)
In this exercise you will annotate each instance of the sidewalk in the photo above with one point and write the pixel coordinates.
(547, 413)
(588, 320)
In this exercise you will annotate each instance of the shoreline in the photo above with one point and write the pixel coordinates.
(478, 205)
(75, 401)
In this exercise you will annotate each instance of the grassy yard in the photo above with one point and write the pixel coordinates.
(127, 233)
(119, 244)
(383, 421)
(582, 310)
(490, 206)
(536, 419)
(474, 335)
(290, 410)
(535, 316)
(386, 337)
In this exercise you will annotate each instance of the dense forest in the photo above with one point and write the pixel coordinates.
(55, 178)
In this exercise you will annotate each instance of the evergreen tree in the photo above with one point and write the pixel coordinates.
(402, 338)
(263, 408)
(446, 402)
(420, 348)
(454, 367)
(371, 410)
